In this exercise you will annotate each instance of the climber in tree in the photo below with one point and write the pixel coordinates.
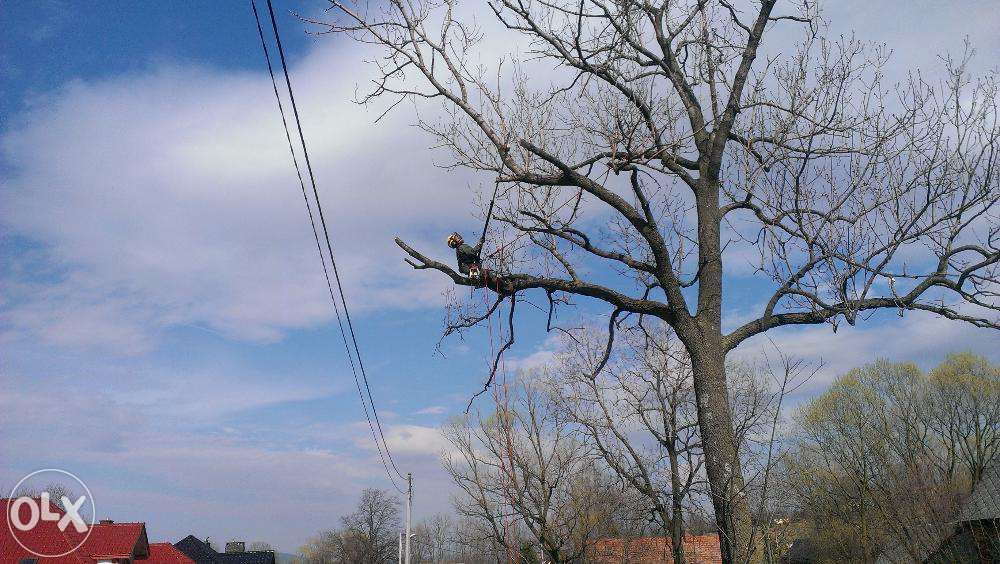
(469, 261)
(467, 255)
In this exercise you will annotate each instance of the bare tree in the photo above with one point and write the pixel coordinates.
(261, 546)
(476, 541)
(55, 491)
(367, 536)
(442, 538)
(433, 539)
(858, 196)
(639, 416)
(522, 469)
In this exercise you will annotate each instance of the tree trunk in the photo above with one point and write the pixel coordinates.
(676, 508)
(722, 461)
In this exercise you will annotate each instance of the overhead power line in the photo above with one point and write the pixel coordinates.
(376, 428)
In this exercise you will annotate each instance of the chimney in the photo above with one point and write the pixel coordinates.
(235, 547)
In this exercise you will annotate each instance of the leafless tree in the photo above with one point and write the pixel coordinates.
(664, 134)
(521, 469)
(638, 415)
(434, 540)
(475, 541)
(261, 546)
(367, 536)
(56, 492)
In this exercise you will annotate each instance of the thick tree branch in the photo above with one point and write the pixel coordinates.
(509, 284)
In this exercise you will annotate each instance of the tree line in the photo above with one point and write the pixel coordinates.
(588, 448)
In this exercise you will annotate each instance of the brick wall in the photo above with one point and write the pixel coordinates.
(699, 549)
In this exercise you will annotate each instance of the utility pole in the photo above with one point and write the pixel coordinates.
(409, 507)
(400, 547)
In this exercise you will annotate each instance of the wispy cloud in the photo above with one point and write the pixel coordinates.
(918, 337)
(416, 440)
(165, 200)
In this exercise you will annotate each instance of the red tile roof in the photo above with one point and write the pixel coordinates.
(698, 549)
(165, 553)
(106, 540)
(116, 540)
(45, 534)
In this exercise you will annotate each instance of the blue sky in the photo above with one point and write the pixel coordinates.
(164, 331)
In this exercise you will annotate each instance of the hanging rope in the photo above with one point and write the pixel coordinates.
(501, 394)
(489, 212)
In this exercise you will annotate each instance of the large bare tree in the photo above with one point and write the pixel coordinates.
(639, 416)
(521, 468)
(661, 132)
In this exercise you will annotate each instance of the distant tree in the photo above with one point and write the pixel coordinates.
(375, 524)
(638, 415)
(321, 548)
(442, 539)
(56, 492)
(261, 546)
(884, 458)
(437, 540)
(522, 472)
(366, 536)
(963, 412)
(635, 407)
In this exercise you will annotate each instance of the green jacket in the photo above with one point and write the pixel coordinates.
(467, 256)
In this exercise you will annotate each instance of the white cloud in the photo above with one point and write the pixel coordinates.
(918, 337)
(411, 440)
(432, 410)
(543, 355)
(167, 198)
(180, 470)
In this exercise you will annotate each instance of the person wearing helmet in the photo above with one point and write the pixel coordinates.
(466, 255)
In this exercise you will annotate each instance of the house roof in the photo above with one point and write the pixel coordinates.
(698, 549)
(45, 534)
(166, 553)
(199, 551)
(196, 549)
(984, 502)
(117, 540)
(106, 540)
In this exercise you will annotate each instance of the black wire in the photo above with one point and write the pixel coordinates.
(319, 248)
(326, 234)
